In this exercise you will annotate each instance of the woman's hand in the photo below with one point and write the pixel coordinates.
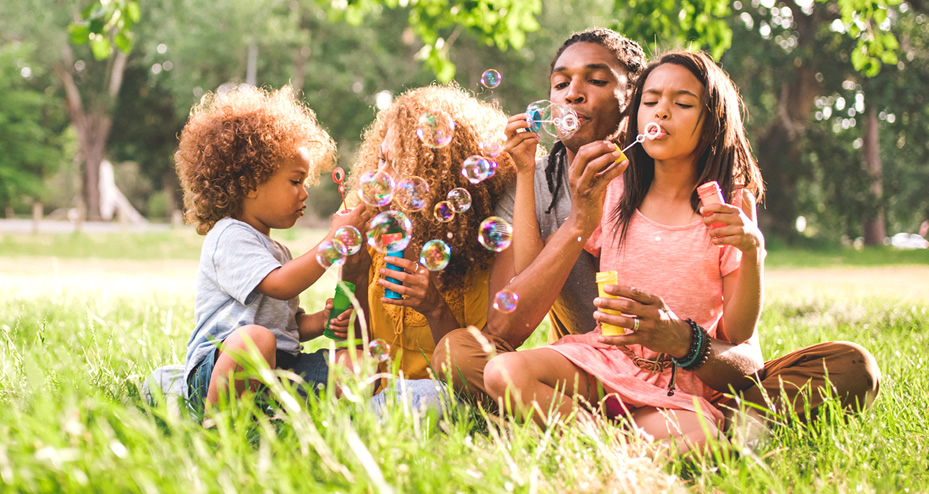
(419, 293)
(520, 143)
(650, 322)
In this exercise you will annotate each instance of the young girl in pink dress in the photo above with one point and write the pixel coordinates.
(685, 273)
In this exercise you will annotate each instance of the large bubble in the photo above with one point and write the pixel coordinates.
(435, 255)
(331, 253)
(495, 234)
(376, 188)
(389, 231)
(491, 78)
(412, 193)
(552, 119)
(478, 168)
(492, 144)
(444, 211)
(350, 238)
(460, 199)
(506, 301)
(379, 350)
(435, 129)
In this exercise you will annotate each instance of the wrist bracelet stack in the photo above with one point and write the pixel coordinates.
(699, 351)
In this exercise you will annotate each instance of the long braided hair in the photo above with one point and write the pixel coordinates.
(629, 54)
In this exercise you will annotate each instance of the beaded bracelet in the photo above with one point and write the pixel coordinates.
(699, 351)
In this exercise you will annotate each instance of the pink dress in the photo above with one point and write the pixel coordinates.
(678, 263)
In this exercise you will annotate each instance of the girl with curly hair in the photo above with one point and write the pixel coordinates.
(433, 302)
(243, 160)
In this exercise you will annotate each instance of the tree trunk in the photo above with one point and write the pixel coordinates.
(93, 126)
(874, 229)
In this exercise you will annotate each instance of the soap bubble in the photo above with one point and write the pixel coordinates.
(478, 168)
(376, 188)
(389, 231)
(460, 199)
(492, 144)
(444, 211)
(552, 119)
(506, 301)
(435, 129)
(491, 78)
(350, 238)
(435, 255)
(412, 193)
(495, 234)
(379, 350)
(331, 253)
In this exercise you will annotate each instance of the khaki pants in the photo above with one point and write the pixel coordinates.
(852, 372)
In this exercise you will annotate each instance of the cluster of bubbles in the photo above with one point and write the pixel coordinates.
(379, 350)
(552, 119)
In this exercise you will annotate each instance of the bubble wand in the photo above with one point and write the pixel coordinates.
(652, 131)
(338, 176)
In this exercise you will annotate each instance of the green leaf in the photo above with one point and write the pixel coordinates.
(123, 41)
(132, 11)
(79, 33)
(100, 47)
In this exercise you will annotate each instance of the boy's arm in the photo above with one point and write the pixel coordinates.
(292, 278)
(312, 325)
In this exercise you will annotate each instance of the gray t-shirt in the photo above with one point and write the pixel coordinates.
(234, 260)
(574, 308)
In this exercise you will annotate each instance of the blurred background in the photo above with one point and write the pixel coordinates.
(93, 94)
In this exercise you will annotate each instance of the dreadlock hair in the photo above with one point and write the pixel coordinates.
(629, 55)
(723, 151)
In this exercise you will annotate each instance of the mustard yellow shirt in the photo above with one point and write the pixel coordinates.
(406, 330)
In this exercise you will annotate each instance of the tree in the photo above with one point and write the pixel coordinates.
(31, 126)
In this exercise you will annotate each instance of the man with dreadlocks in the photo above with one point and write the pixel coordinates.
(592, 73)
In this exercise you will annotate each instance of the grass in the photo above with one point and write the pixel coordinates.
(84, 319)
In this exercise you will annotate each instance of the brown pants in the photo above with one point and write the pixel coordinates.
(851, 371)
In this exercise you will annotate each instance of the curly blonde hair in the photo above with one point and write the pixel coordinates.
(441, 169)
(233, 142)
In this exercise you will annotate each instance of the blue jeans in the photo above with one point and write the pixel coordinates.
(312, 367)
(420, 393)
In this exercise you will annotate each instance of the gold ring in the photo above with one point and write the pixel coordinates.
(635, 325)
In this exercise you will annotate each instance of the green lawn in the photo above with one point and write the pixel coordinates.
(84, 319)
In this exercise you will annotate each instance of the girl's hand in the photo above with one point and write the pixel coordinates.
(658, 328)
(737, 230)
(521, 144)
(418, 291)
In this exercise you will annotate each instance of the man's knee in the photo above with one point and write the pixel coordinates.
(854, 373)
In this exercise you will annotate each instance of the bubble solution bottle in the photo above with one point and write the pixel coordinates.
(341, 301)
(710, 194)
(393, 267)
